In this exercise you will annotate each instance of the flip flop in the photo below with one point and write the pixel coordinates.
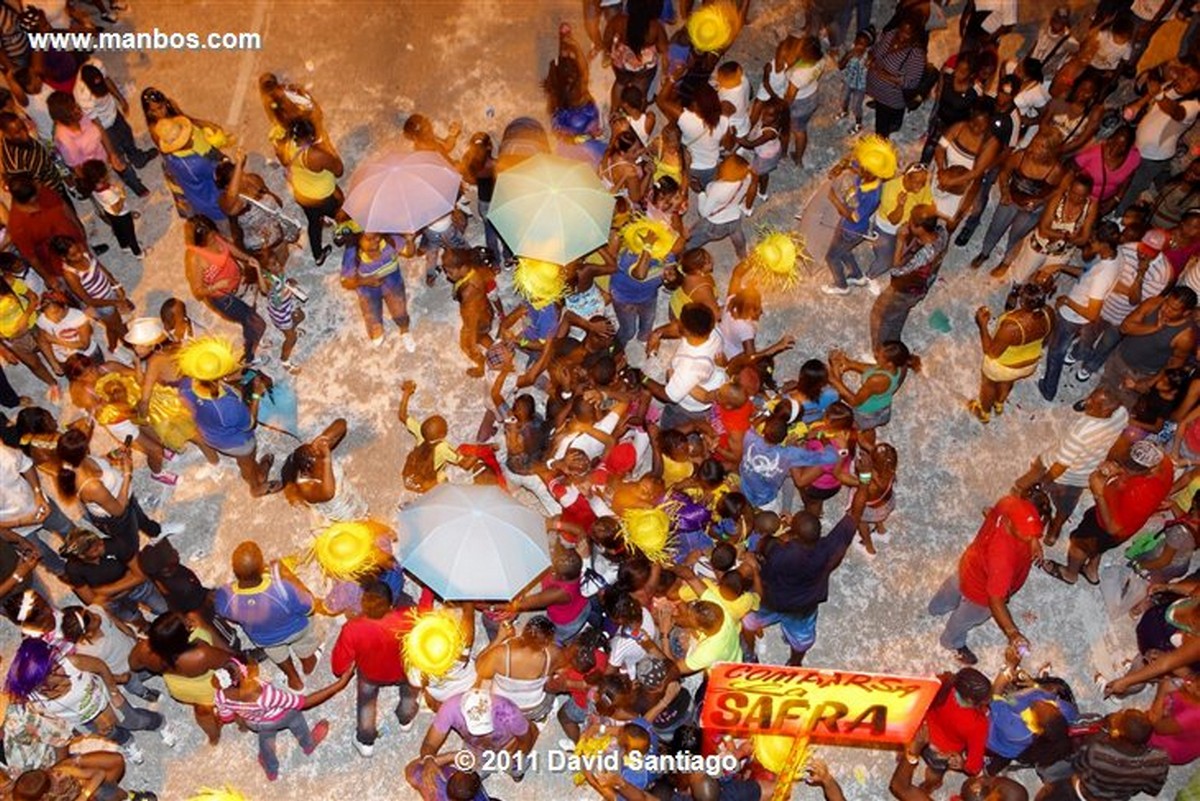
(1056, 570)
(1095, 582)
(974, 407)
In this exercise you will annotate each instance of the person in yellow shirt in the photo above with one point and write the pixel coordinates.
(425, 466)
(729, 592)
(18, 314)
(900, 196)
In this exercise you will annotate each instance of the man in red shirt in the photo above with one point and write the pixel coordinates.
(991, 570)
(38, 215)
(1127, 495)
(372, 641)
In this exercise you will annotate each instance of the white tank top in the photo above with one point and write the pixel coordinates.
(111, 479)
(525, 694)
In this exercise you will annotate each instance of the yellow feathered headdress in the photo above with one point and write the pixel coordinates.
(347, 551)
(208, 359)
(435, 642)
(224, 794)
(776, 260)
(539, 282)
(713, 27)
(877, 156)
(635, 237)
(649, 531)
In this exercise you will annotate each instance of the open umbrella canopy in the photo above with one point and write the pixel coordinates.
(401, 193)
(551, 209)
(472, 543)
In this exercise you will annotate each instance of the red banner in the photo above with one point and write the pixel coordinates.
(827, 706)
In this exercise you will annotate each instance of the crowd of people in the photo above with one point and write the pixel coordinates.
(694, 514)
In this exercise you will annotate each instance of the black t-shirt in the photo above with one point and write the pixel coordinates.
(110, 568)
(182, 590)
(796, 576)
(953, 105)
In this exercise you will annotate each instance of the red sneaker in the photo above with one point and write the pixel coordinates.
(271, 775)
(319, 733)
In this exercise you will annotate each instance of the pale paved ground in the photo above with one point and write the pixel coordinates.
(370, 64)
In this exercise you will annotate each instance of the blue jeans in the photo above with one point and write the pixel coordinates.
(967, 229)
(368, 699)
(1148, 172)
(127, 606)
(635, 320)
(1061, 337)
(295, 723)
(890, 313)
(57, 522)
(1097, 341)
(964, 615)
(236, 310)
(1013, 219)
(371, 300)
(884, 248)
(844, 33)
(840, 256)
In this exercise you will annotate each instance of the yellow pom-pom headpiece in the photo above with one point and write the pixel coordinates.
(208, 359)
(643, 231)
(713, 27)
(776, 261)
(224, 794)
(347, 551)
(649, 530)
(435, 642)
(877, 156)
(539, 282)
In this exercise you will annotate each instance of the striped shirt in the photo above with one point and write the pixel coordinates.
(95, 280)
(272, 705)
(1085, 445)
(30, 158)
(12, 37)
(1116, 305)
(1104, 772)
(905, 66)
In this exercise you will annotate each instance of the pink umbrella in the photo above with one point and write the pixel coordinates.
(401, 193)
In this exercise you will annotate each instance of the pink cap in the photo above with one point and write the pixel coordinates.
(1155, 239)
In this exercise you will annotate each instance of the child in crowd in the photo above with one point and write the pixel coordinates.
(109, 197)
(425, 465)
(881, 497)
(853, 65)
(733, 87)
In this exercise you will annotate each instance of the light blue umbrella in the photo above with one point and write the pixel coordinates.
(469, 542)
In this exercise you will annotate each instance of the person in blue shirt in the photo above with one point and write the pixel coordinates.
(855, 194)
(767, 463)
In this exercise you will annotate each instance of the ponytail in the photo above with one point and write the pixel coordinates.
(66, 480)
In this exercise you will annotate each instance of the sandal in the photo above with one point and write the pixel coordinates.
(1095, 582)
(974, 407)
(998, 408)
(1054, 569)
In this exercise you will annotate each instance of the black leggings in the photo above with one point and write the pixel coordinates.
(315, 215)
(888, 120)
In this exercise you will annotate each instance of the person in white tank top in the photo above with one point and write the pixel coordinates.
(535, 654)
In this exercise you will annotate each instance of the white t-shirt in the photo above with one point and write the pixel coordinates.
(1031, 99)
(17, 499)
(1109, 54)
(1094, 284)
(101, 109)
(806, 78)
(69, 328)
(739, 97)
(1158, 133)
(39, 112)
(1004, 12)
(586, 442)
(777, 81)
(703, 145)
(694, 366)
(1116, 306)
(723, 201)
(734, 333)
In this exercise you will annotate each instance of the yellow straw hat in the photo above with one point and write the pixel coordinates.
(208, 359)
(649, 530)
(713, 27)
(539, 282)
(435, 642)
(173, 133)
(635, 237)
(776, 260)
(347, 551)
(224, 794)
(771, 750)
(877, 156)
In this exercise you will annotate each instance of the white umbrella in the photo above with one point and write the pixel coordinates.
(401, 193)
(470, 542)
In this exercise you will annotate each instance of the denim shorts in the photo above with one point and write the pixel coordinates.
(803, 110)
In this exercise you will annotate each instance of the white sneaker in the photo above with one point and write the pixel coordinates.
(410, 344)
(168, 736)
(376, 341)
(171, 529)
(133, 753)
(860, 281)
(833, 289)
(875, 286)
(566, 745)
(365, 751)
(406, 727)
